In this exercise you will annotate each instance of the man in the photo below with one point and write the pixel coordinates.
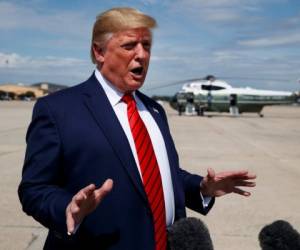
(100, 161)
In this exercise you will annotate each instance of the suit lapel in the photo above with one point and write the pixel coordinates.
(98, 104)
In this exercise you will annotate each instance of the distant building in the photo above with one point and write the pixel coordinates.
(13, 91)
(28, 92)
(48, 87)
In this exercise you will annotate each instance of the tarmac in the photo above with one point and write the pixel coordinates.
(268, 147)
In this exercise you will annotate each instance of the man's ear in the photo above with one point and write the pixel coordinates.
(98, 53)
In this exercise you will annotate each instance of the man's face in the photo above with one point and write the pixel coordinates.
(125, 59)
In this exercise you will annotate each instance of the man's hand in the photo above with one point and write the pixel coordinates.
(216, 185)
(85, 202)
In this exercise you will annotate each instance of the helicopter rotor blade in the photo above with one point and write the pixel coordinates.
(254, 79)
(219, 77)
(173, 83)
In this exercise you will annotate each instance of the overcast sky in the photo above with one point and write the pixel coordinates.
(250, 43)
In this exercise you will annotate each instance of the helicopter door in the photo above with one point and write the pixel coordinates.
(233, 108)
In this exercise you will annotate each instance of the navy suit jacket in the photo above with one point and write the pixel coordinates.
(75, 139)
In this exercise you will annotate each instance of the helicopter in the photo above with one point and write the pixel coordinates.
(210, 94)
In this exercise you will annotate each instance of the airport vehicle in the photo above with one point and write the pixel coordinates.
(211, 94)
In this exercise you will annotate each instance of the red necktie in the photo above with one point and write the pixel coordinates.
(150, 171)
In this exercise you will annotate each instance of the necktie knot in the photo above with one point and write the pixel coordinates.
(128, 98)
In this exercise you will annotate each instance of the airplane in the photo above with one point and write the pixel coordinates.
(211, 94)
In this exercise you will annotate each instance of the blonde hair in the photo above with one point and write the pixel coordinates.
(115, 20)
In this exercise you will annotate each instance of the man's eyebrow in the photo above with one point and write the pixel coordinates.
(129, 42)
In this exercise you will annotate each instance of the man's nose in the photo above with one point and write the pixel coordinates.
(140, 51)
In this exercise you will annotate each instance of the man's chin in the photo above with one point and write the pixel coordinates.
(135, 85)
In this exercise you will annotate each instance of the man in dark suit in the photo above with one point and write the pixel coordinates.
(91, 171)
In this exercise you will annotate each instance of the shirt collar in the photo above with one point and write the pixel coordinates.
(113, 94)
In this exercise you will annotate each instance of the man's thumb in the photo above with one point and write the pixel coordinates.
(108, 185)
(104, 189)
(211, 173)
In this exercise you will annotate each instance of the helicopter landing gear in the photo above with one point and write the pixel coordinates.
(200, 111)
(181, 109)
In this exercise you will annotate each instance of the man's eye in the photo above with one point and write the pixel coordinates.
(147, 46)
(128, 46)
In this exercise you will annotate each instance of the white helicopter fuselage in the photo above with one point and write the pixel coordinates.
(225, 89)
(218, 95)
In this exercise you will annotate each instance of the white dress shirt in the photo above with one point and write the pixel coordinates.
(120, 108)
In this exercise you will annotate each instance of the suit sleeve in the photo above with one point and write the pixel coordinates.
(193, 199)
(40, 190)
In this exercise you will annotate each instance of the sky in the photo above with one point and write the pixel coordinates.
(249, 43)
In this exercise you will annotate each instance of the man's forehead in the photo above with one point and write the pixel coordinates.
(139, 33)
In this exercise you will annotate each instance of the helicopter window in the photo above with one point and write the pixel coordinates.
(212, 87)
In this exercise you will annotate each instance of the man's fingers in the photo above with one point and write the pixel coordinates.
(241, 192)
(211, 173)
(90, 194)
(83, 194)
(101, 192)
(88, 190)
(245, 183)
(244, 175)
(81, 204)
(108, 184)
(70, 224)
(251, 176)
(70, 221)
(74, 208)
(79, 198)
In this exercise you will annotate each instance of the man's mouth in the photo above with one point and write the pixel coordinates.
(138, 71)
